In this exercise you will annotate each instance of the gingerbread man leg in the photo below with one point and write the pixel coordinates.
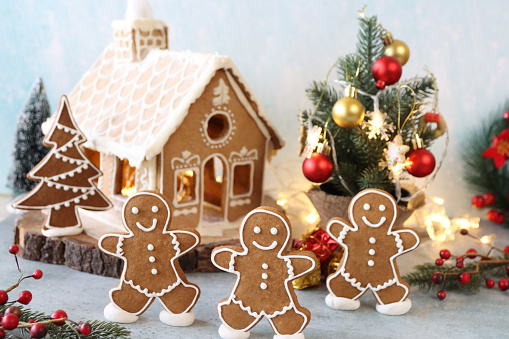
(292, 322)
(127, 303)
(393, 299)
(236, 320)
(178, 303)
(343, 295)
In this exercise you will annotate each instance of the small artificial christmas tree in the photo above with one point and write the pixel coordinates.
(486, 171)
(371, 129)
(65, 178)
(28, 146)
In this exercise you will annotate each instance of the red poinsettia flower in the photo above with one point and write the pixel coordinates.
(499, 149)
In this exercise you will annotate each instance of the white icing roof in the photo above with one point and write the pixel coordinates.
(130, 109)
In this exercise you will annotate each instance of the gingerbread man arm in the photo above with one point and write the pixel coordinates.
(186, 240)
(302, 262)
(223, 257)
(406, 240)
(338, 227)
(112, 244)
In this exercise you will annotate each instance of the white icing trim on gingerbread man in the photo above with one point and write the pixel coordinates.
(287, 282)
(355, 227)
(119, 254)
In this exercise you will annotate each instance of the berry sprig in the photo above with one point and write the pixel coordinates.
(462, 276)
(488, 199)
(39, 325)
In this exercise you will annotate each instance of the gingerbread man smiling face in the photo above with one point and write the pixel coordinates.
(264, 232)
(146, 213)
(364, 211)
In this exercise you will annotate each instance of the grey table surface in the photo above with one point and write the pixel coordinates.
(83, 296)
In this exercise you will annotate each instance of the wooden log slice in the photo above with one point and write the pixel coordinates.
(81, 252)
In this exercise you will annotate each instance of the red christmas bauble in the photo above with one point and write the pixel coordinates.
(386, 71)
(317, 168)
(421, 162)
(478, 201)
(489, 198)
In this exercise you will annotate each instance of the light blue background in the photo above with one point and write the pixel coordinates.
(280, 47)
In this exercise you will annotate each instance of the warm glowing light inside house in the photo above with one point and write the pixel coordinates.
(218, 170)
(186, 184)
(128, 187)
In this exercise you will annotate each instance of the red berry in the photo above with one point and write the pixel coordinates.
(10, 321)
(25, 297)
(506, 116)
(3, 297)
(2, 333)
(38, 330)
(464, 278)
(460, 258)
(37, 274)
(472, 250)
(13, 310)
(503, 284)
(14, 249)
(58, 315)
(441, 295)
(464, 231)
(459, 264)
(437, 278)
(489, 198)
(507, 270)
(506, 249)
(491, 215)
(439, 262)
(500, 219)
(490, 283)
(445, 254)
(85, 328)
(477, 201)
(31, 321)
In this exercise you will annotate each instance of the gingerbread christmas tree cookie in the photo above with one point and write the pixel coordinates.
(150, 250)
(265, 270)
(66, 178)
(370, 245)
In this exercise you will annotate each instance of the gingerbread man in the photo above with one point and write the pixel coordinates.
(265, 270)
(371, 246)
(150, 251)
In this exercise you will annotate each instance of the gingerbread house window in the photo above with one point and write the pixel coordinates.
(126, 178)
(242, 185)
(186, 187)
(218, 127)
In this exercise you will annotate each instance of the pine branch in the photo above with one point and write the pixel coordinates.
(480, 173)
(100, 329)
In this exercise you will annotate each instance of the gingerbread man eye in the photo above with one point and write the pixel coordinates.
(155, 209)
(273, 230)
(257, 230)
(381, 208)
(135, 210)
(366, 207)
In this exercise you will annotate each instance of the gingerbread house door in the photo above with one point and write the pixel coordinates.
(214, 188)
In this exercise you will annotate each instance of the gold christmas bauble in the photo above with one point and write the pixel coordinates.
(348, 112)
(399, 50)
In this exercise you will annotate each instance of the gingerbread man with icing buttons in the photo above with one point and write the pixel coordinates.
(370, 245)
(265, 270)
(150, 251)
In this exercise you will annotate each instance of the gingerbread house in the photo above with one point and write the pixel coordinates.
(182, 123)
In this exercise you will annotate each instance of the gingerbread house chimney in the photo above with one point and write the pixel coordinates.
(139, 32)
